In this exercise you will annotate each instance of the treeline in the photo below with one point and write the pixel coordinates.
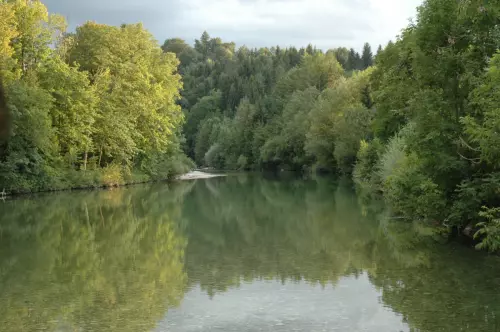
(273, 108)
(90, 108)
(420, 127)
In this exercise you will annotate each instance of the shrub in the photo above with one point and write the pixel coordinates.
(112, 176)
(394, 154)
(178, 164)
(242, 162)
(367, 159)
(215, 157)
(401, 177)
(413, 194)
(489, 230)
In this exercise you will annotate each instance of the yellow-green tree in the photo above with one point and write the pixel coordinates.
(138, 88)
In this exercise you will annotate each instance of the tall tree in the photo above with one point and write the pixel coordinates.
(355, 62)
(74, 108)
(35, 32)
(367, 56)
(175, 45)
(142, 89)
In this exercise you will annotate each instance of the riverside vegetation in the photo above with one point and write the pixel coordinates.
(417, 124)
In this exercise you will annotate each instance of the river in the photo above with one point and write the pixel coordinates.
(243, 253)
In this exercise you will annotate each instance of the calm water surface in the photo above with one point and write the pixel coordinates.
(241, 253)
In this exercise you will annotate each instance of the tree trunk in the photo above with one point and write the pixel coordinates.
(100, 157)
(85, 156)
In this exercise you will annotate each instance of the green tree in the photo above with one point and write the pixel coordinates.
(354, 62)
(367, 56)
(342, 56)
(379, 51)
(25, 164)
(142, 89)
(339, 121)
(206, 108)
(35, 31)
(74, 109)
(175, 45)
(207, 135)
(288, 146)
(102, 96)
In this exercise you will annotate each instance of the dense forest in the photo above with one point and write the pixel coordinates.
(273, 108)
(415, 123)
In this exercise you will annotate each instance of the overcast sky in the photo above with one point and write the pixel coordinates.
(255, 23)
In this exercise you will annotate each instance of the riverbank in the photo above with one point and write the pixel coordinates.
(93, 180)
(198, 175)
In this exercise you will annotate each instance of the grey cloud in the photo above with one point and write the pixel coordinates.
(166, 19)
(116, 12)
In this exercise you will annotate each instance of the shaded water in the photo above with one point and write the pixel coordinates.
(242, 253)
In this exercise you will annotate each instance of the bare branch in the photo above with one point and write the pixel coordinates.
(468, 146)
(474, 160)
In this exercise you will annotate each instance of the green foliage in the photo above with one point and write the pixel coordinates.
(261, 106)
(206, 108)
(480, 147)
(102, 99)
(342, 56)
(242, 162)
(339, 121)
(395, 152)
(367, 56)
(434, 77)
(263, 97)
(208, 135)
(401, 176)
(319, 71)
(215, 156)
(483, 128)
(74, 108)
(393, 87)
(31, 147)
(413, 194)
(364, 173)
(288, 146)
(351, 128)
(354, 61)
(241, 138)
(489, 230)
(175, 45)
(35, 31)
(471, 195)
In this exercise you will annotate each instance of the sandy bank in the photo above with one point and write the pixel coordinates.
(195, 175)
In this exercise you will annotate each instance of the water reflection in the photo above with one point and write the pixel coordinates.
(242, 229)
(240, 253)
(352, 305)
(100, 261)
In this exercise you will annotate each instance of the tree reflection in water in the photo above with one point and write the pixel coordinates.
(118, 260)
